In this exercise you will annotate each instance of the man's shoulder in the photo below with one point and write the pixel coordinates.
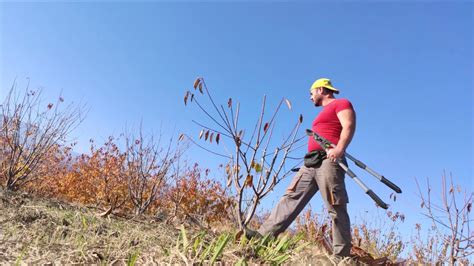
(342, 104)
(343, 100)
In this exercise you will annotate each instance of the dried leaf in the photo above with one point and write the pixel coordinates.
(181, 137)
(206, 136)
(201, 133)
(61, 99)
(236, 168)
(192, 97)
(196, 82)
(288, 103)
(238, 142)
(324, 228)
(469, 205)
(211, 137)
(229, 103)
(451, 190)
(422, 204)
(50, 106)
(356, 232)
(218, 137)
(229, 181)
(249, 181)
(186, 98)
(200, 88)
(265, 127)
(301, 118)
(227, 169)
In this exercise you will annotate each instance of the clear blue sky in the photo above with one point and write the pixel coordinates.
(406, 67)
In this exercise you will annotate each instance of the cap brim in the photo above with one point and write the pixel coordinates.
(331, 88)
(327, 87)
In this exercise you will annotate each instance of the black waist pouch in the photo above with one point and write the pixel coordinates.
(314, 158)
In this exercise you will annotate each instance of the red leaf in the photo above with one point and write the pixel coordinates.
(211, 137)
(186, 98)
(206, 136)
(200, 88)
(196, 82)
(265, 127)
(238, 142)
(249, 181)
(301, 118)
(218, 137)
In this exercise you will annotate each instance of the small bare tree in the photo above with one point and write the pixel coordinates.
(147, 166)
(255, 164)
(451, 222)
(28, 131)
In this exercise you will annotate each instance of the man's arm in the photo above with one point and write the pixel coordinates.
(348, 122)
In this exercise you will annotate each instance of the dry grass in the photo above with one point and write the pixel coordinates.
(40, 231)
(44, 231)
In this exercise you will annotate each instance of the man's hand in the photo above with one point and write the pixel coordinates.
(334, 154)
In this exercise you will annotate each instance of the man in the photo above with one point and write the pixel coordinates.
(336, 122)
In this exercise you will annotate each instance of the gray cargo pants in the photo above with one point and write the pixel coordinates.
(329, 179)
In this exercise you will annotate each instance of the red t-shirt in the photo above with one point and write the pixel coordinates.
(327, 123)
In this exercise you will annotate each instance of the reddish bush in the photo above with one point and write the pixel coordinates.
(194, 195)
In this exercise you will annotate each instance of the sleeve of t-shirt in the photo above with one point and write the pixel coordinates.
(343, 104)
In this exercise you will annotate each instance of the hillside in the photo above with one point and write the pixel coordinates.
(43, 231)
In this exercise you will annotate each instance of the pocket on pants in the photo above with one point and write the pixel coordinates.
(292, 187)
(338, 195)
(330, 178)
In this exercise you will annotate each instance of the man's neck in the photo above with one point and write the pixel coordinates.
(327, 101)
